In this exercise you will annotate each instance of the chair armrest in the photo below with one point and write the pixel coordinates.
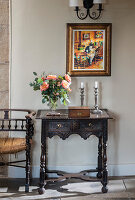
(30, 115)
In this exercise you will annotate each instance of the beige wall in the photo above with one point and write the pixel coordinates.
(39, 44)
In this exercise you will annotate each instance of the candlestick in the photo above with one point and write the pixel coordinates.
(96, 110)
(82, 94)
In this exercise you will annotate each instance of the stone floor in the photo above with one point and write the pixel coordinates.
(74, 189)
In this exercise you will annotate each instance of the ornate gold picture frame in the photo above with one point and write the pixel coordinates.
(89, 49)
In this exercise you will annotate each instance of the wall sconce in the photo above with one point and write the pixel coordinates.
(87, 4)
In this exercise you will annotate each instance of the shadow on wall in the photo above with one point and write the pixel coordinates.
(113, 130)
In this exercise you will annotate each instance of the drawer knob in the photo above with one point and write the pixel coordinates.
(59, 125)
(79, 113)
(90, 124)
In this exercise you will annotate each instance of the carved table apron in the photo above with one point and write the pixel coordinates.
(63, 126)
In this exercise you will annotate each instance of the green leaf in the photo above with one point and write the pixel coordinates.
(43, 100)
(60, 77)
(35, 73)
(64, 102)
(40, 80)
(36, 87)
(31, 84)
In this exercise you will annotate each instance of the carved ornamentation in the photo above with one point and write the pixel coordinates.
(75, 125)
(65, 135)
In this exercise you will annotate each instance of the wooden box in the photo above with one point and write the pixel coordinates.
(78, 112)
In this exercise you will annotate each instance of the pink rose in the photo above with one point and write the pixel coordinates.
(44, 86)
(68, 78)
(65, 84)
(49, 77)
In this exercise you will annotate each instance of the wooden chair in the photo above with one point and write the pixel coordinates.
(12, 145)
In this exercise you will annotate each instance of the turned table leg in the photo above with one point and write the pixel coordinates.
(99, 174)
(105, 171)
(28, 158)
(42, 183)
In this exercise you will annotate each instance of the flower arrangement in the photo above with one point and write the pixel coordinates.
(52, 88)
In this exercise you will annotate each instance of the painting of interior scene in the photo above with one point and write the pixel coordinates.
(88, 50)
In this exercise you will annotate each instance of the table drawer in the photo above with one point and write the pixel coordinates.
(90, 125)
(59, 126)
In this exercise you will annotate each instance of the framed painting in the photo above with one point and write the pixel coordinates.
(89, 49)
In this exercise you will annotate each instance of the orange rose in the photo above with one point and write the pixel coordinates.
(65, 84)
(44, 86)
(68, 78)
(49, 77)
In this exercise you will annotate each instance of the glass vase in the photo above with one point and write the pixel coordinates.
(52, 108)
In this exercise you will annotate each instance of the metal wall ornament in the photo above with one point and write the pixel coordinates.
(87, 7)
(89, 49)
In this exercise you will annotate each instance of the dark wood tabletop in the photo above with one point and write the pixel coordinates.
(42, 114)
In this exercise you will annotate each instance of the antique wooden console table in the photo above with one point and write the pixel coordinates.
(63, 126)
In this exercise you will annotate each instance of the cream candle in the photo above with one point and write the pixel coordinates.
(96, 84)
(82, 85)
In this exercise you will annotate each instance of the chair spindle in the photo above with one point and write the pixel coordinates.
(2, 126)
(6, 116)
(22, 126)
(9, 124)
(15, 124)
